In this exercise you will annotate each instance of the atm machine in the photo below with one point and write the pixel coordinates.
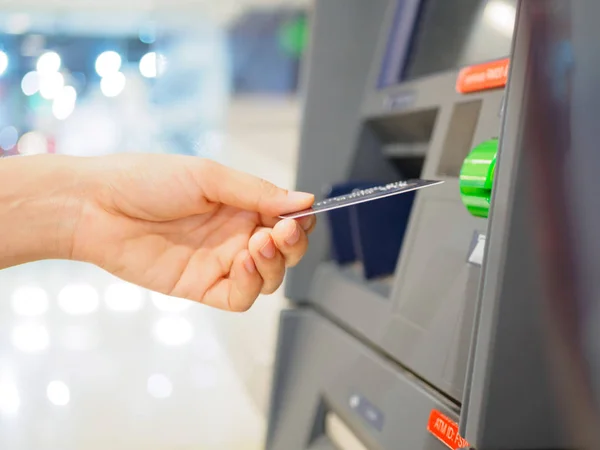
(448, 350)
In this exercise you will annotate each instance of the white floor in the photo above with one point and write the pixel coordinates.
(87, 362)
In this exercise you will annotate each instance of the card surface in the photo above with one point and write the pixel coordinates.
(362, 196)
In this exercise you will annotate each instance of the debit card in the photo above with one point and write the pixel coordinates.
(362, 196)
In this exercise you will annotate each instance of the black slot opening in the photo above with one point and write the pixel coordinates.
(403, 141)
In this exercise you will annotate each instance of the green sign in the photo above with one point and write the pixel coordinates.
(293, 36)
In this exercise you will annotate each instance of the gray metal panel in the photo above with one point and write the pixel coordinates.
(322, 443)
(511, 402)
(561, 142)
(286, 338)
(344, 36)
(428, 315)
(329, 366)
(430, 311)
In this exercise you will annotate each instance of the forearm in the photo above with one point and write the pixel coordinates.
(40, 203)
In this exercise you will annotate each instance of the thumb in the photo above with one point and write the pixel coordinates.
(231, 187)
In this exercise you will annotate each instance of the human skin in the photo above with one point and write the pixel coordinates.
(184, 226)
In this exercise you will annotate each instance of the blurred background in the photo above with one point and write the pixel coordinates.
(87, 361)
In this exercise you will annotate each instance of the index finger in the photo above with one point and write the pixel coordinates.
(231, 187)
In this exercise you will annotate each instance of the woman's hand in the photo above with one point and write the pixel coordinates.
(183, 226)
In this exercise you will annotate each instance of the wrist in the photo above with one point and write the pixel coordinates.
(40, 204)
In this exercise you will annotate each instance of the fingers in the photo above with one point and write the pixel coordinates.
(291, 239)
(238, 292)
(261, 268)
(307, 223)
(269, 261)
(228, 186)
(274, 250)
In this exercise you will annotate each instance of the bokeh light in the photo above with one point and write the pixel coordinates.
(51, 85)
(78, 299)
(48, 63)
(159, 386)
(501, 16)
(108, 63)
(8, 137)
(33, 143)
(112, 85)
(64, 103)
(30, 338)
(173, 331)
(58, 393)
(123, 297)
(3, 62)
(29, 301)
(30, 84)
(148, 65)
(147, 34)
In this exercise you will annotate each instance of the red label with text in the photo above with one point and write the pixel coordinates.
(482, 77)
(446, 430)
